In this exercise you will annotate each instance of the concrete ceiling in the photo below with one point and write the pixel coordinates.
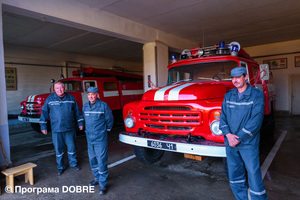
(206, 22)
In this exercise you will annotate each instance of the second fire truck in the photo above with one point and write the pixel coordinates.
(115, 88)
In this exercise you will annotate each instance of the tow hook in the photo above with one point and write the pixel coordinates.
(189, 138)
(139, 131)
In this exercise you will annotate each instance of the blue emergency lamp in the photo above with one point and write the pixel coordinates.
(81, 74)
(222, 44)
(174, 58)
(235, 48)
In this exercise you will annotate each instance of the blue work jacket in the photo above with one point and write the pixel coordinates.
(63, 113)
(98, 120)
(243, 117)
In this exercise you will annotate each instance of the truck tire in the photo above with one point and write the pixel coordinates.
(147, 155)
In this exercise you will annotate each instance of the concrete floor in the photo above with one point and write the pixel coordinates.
(173, 177)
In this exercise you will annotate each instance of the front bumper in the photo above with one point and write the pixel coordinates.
(28, 119)
(199, 147)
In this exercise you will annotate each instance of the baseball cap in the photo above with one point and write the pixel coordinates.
(238, 71)
(92, 90)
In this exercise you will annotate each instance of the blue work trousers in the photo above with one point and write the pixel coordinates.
(59, 141)
(238, 161)
(98, 161)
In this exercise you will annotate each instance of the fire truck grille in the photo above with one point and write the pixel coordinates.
(32, 108)
(32, 111)
(170, 127)
(167, 108)
(170, 118)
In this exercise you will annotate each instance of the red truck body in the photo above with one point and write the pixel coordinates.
(184, 115)
(115, 88)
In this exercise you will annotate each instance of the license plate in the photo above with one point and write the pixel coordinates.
(23, 119)
(161, 145)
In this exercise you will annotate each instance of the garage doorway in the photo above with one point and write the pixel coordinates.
(295, 79)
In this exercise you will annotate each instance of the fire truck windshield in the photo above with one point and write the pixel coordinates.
(207, 71)
(73, 85)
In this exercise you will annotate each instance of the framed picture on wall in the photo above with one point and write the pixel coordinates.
(297, 61)
(280, 63)
(11, 78)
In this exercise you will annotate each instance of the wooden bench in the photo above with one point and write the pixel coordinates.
(10, 173)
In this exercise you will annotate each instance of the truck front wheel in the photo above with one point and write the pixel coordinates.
(147, 155)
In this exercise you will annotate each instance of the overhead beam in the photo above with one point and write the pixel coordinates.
(78, 15)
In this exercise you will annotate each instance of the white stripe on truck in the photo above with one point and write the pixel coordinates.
(174, 93)
(159, 94)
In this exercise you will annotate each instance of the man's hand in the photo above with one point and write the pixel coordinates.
(81, 128)
(232, 139)
(44, 132)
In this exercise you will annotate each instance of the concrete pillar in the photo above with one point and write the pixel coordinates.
(65, 72)
(4, 134)
(155, 60)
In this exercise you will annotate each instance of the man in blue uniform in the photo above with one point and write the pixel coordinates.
(98, 120)
(63, 111)
(241, 118)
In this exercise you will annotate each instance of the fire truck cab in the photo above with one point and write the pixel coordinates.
(184, 116)
(115, 88)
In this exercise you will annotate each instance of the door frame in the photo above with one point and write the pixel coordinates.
(291, 91)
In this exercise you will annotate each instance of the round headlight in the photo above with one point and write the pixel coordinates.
(22, 107)
(214, 127)
(129, 122)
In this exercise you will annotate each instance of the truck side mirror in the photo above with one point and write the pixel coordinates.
(264, 72)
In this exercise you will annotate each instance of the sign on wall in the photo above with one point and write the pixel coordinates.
(11, 78)
(280, 63)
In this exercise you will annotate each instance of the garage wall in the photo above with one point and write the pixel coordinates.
(281, 77)
(282, 80)
(30, 80)
(34, 78)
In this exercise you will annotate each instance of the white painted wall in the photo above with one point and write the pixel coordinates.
(30, 80)
(281, 76)
(33, 79)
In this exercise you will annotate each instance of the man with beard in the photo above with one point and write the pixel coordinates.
(241, 118)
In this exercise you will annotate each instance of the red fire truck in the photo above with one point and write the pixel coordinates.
(184, 116)
(115, 88)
